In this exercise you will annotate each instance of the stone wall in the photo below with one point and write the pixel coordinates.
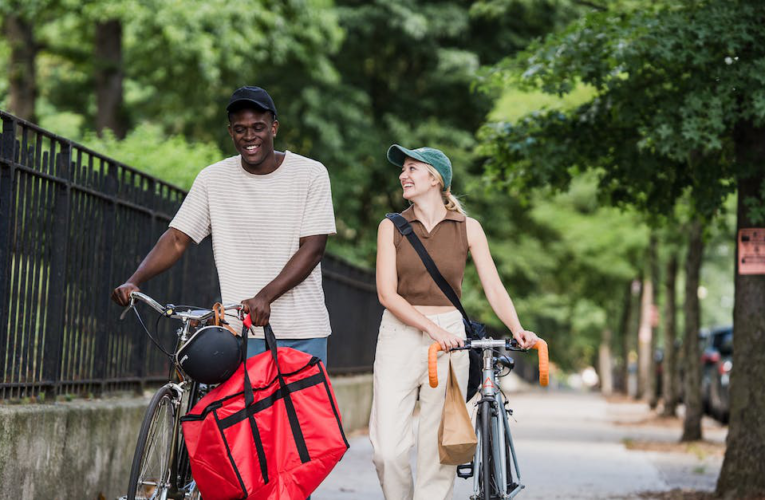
(83, 450)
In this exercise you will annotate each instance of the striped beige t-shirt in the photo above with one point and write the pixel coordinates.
(256, 222)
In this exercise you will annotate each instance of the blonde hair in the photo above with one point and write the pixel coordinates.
(450, 201)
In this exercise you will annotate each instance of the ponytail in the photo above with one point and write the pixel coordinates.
(450, 201)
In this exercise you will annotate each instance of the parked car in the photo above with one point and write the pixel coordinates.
(719, 387)
(710, 357)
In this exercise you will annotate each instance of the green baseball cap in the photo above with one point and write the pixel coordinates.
(397, 155)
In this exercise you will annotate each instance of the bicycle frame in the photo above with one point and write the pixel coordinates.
(177, 482)
(493, 400)
(491, 418)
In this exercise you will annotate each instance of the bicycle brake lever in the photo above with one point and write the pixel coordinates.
(128, 308)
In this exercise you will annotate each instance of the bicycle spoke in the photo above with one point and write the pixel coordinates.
(157, 452)
(154, 470)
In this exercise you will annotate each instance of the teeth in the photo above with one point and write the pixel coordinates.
(250, 148)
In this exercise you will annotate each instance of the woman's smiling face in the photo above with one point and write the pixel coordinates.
(416, 179)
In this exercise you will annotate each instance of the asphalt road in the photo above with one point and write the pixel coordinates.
(569, 445)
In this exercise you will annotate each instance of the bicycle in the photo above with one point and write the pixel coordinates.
(160, 468)
(495, 460)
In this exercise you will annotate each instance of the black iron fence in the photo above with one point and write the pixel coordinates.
(73, 223)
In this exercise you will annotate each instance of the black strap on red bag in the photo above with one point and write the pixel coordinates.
(254, 416)
(249, 396)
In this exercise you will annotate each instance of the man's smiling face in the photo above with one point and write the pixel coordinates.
(253, 133)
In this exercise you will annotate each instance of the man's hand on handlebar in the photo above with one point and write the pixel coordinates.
(526, 339)
(445, 339)
(259, 310)
(121, 294)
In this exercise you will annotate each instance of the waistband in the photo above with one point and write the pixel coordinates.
(436, 318)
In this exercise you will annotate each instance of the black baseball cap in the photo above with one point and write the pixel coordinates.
(251, 95)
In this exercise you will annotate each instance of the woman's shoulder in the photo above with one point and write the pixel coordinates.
(474, 231)
(385, 222)
(472, 223)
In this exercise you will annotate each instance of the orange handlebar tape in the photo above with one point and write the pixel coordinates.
(433, 364)
(544, 362)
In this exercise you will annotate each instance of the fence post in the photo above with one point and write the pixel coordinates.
(104, 315)
(7, 182)
(140, 360)
(57, 285)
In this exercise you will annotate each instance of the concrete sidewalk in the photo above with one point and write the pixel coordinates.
(569, 445)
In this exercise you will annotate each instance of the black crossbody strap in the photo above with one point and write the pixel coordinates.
(405, 229)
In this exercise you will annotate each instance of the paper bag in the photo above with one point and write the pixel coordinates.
(456, 436)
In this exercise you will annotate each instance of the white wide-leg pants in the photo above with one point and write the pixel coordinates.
(400, 376)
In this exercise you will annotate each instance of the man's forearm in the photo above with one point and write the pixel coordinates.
(168, 250)
(297, 269)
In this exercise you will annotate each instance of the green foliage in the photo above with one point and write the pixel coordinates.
(672, 84)
(348, 80)
(191, 55)
(565, 260)
(182, 59)
(407, 69)
(173, 159)
(514, 104)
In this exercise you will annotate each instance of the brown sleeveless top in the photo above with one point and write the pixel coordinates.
(447, 245)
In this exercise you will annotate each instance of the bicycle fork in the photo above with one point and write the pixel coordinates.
(516, 486)
(170, 489)
(499, 428)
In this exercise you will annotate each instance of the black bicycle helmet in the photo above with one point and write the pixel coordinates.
(211, 355)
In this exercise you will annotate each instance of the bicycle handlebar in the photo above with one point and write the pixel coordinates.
(170, 311)
(540, 346)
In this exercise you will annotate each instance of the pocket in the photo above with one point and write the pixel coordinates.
(387, 330)
(457, 327)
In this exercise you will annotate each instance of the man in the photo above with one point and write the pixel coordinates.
(269, 214)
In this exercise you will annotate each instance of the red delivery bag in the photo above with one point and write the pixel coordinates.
(271, 431)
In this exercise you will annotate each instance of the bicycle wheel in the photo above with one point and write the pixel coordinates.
(150, 473)
(486, 447)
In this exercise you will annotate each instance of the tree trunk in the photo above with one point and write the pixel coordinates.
(644, 338)
(743, 471)
(625, 331)
(693, 410)
(604, 363)
(653, 263)
(22, 76)
(669, 393)
(638, 290)
(109, 76)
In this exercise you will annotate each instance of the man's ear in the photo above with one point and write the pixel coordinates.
(230, 131)
(275, 126)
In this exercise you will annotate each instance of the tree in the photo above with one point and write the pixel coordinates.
(669, 390)
(22, 74)
(561, 256)
(109, 76)
(680, 112)
(693, 408)
(407, 69)
(740, 474)
(646, 334)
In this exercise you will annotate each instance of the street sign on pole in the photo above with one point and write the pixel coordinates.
(751, 251)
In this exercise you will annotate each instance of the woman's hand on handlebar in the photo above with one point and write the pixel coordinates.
(526, 339)
(121, 294)
(446, 339)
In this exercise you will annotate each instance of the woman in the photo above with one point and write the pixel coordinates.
(417, 314)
